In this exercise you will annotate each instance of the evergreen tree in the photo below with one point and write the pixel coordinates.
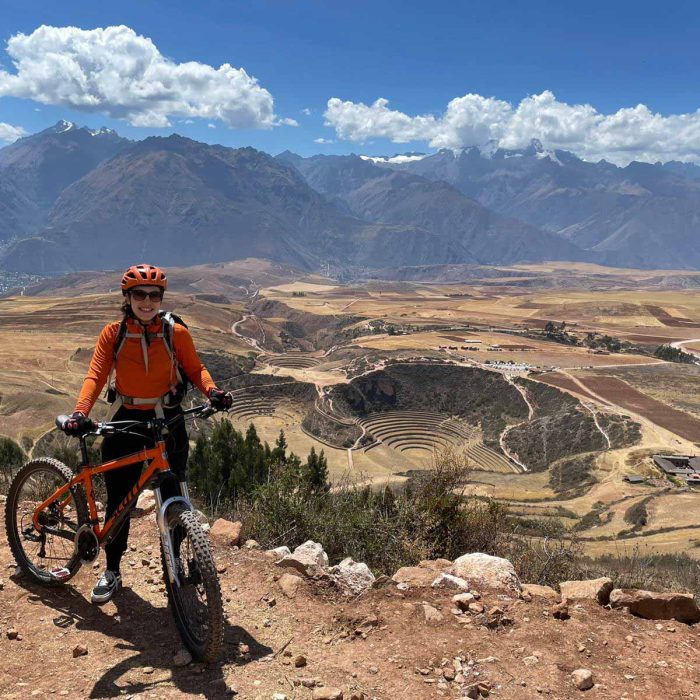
(227, 465)
(315, 472)
(279, 453)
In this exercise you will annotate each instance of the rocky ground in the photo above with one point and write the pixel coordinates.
(303, 639)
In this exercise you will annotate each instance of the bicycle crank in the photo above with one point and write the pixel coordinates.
(86, 544)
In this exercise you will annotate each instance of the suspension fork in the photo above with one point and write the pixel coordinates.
(166, 540)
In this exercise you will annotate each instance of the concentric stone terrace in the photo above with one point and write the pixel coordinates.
(429, 431)
(293, 361)
(247, 406)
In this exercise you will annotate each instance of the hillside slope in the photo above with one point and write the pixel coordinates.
(36, 169)
(378, 645)
(474, 232)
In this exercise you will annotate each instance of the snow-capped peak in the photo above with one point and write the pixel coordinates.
(396, 159)
(64, 125)
(103, 131)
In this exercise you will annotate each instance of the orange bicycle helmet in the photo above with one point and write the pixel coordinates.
(138, 275)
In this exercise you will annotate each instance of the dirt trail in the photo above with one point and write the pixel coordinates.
(680, 345)
(246, 339)
(504, 448)
(602, 430)
(523, 392)
(379, 644)
(530, 413)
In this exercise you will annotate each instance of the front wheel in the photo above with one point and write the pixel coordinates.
(196, 601)
(48, 555)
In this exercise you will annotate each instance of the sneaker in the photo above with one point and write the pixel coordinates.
(110, 582)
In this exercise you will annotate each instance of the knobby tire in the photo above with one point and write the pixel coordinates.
(63, 474)
(205, 646)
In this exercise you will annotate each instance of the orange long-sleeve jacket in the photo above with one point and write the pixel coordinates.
(132, 376)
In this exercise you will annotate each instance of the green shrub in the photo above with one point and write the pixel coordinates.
(430, 517)
(11, 459)
(637, 514)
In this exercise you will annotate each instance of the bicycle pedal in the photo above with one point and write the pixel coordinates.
(60, 573)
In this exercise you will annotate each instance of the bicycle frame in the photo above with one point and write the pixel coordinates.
(157, 459)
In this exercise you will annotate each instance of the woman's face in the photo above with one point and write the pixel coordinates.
(145, 302)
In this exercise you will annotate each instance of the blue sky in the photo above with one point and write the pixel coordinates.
(419, 56)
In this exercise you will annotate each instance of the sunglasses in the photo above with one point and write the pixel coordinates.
(140, 295)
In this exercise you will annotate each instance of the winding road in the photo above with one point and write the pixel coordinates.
(680, 345)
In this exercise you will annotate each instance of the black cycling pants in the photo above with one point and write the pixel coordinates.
(120, 481)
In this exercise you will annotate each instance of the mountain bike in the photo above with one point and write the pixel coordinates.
(53, 527)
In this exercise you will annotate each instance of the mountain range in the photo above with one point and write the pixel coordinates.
(641, 215)
(73, 198)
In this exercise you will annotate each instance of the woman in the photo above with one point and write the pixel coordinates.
(138, 351)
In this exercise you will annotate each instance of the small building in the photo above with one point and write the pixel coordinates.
(634, 479)
(678, 465)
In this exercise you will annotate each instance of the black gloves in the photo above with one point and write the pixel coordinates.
(219, 399)
(76, 424)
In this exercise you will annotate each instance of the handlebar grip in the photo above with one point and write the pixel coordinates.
(61, 421)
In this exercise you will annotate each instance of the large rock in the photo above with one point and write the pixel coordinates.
(535, 590)
(226, 531)
(326, 693)
(308, 558)
(431, 614)
(353, 576)
(657, 606)
(414, 576)
(289, 583)
(146, 503)
(597, 589)
(450, 582)
(582, 679)
(422, 575)
(485, 571)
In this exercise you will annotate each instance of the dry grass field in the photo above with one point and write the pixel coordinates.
(323, 334)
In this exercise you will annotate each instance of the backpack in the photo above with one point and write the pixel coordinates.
(178, 390)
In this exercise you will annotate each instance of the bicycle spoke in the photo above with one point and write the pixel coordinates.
(53, 545)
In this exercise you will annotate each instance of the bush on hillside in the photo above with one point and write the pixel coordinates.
(430, 517)
(652, 572)
(572, 475)
(11, 459)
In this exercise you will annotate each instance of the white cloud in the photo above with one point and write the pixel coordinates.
(306, 111)
(322, 140)
(211, 126)
(9, 133)
(122, 74)
(288, 121)
(634, 133)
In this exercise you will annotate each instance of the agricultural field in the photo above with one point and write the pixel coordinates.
(542, 376)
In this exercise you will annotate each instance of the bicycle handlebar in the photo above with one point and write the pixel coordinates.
(112, 427)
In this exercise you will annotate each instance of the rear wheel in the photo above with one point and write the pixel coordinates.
(196, 601)
(47, 555)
